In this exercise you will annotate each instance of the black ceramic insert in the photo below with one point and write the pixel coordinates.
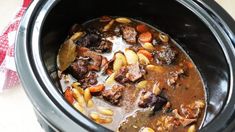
(191, 23)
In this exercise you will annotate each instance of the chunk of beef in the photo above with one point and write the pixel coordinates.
(174, 76)
(165, 54)
(149, 99)
(96, 59)
(129, 34)
(121, 76)
(89, 79)
(79, 68)
(113, 95)
(104, 46)
(91, 39)
(134, 72)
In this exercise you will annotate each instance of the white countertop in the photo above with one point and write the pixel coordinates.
(16, 112)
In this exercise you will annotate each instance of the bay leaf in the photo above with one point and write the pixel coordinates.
(67, 54)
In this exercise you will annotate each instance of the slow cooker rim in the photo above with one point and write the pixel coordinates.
(229, 53)
(18, 67)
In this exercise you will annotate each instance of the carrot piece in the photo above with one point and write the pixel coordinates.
(68, 94)
(97, 88)
(109, 71)
(146, 53)
(145, 37)
(141, 28)
(189, 64)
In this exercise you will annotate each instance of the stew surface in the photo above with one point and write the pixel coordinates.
(129, 76)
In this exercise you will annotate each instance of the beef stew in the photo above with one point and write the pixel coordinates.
(130, 76)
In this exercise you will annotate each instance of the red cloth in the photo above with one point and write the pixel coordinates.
(8, 75)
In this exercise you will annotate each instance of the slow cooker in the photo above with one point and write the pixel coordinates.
(202, 28)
